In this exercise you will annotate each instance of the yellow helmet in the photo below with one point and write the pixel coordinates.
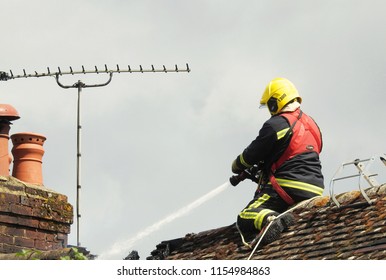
(278, 93)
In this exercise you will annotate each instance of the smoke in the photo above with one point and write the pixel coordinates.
(121, 247)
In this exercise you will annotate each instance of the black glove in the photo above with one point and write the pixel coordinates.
(235, 168)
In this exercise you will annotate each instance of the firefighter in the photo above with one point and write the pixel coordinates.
(287, 150)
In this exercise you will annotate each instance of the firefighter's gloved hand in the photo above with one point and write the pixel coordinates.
(235, 168)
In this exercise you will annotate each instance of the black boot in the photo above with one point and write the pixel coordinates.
(273, 230)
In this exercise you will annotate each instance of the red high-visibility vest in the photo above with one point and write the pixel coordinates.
(306, 137)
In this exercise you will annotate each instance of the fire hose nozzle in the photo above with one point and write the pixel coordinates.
(253, 174)
(234, 180)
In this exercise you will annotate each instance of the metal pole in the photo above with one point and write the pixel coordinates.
(79, 85)
(78, 162)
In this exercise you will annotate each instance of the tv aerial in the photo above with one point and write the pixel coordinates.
(79, 85)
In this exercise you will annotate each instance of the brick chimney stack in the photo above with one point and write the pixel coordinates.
(31, 216)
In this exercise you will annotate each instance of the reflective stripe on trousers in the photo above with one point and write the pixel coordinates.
(252, 212)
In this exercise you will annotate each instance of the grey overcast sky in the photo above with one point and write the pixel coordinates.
(153, 143)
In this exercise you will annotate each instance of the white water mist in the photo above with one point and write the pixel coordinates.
(122, 247)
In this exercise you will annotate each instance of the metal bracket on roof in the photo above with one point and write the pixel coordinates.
(363, 173)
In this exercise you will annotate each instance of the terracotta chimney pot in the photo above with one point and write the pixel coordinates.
(7, 114)
(28, 152)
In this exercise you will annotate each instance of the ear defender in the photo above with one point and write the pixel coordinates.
(272, 105)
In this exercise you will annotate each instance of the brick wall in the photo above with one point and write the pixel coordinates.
(32, 217)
